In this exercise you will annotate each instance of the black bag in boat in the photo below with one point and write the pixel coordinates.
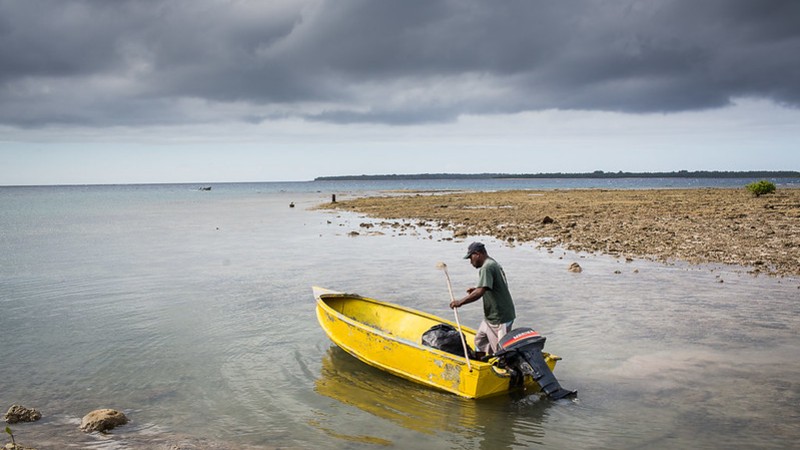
(445, 338)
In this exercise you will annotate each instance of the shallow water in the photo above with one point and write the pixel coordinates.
(192, 312)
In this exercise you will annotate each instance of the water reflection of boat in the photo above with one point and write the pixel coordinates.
(411, 406)
(493, 423)
(387, 336)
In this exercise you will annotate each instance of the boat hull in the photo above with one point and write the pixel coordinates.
(388, 337)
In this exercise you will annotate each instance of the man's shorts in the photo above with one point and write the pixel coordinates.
(489, 335)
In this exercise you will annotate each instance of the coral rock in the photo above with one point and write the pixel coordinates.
(19, 413)
(102, 420)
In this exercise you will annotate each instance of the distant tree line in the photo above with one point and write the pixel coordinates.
(595, 174)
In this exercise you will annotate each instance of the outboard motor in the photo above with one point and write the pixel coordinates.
(521, 353)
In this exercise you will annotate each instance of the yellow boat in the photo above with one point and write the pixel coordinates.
(388, 336)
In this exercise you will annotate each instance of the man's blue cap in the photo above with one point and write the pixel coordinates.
(475, 247)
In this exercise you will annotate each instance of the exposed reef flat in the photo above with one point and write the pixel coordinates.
(728, 226)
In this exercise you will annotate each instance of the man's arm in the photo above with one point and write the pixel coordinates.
(472, 295)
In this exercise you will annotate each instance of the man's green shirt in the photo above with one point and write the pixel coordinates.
(498, 307)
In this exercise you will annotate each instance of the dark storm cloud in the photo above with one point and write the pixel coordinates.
(101, 63)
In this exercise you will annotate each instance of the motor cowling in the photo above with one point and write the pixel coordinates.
(520, 351)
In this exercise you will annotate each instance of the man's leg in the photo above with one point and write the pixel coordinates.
(482, 344)
(488, 336)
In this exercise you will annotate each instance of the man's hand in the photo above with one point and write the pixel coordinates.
(472, 295)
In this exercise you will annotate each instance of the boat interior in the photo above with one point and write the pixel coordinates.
(396, 321)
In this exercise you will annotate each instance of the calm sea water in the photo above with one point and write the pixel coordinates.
(192, 312)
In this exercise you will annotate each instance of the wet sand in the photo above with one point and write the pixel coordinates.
(699, 226)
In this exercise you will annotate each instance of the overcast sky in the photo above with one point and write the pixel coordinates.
(189, 91)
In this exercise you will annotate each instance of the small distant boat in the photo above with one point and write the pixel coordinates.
(205, 188)
(389, 337)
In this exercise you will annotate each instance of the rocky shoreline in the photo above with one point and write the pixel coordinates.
(99, 422)
(699, 226)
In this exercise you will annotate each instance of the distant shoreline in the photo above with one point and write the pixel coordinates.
(596, 174)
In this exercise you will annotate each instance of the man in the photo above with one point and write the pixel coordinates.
(498, 307)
